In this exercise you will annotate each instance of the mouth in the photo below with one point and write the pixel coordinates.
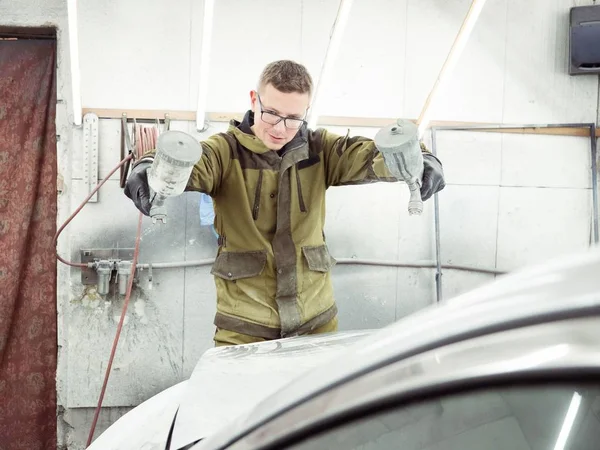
(276, 138)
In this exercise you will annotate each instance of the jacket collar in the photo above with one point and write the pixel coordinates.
(245, 136)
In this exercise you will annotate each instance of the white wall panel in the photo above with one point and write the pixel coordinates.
(546, 161)
(470, 157)
(536, 224)
(134, 55)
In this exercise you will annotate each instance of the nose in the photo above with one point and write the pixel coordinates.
(280, 127)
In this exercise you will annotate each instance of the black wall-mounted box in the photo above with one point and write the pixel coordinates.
(584, 40)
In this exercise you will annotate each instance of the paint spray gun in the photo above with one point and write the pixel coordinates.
(176, 154)
(399, 145)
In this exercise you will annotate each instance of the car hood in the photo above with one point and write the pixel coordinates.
(227, 382)
(230, 381)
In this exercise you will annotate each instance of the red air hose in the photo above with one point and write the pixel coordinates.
(69, 263)
(116, 340)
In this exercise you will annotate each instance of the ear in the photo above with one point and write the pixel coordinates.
(307, 112)
(253, 97)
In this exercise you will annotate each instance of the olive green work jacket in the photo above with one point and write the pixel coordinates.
(272, 269)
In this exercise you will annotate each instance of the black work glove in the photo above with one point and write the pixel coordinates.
(137, 188)
(433, 176)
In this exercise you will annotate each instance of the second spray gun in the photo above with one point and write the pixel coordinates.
(399, 145)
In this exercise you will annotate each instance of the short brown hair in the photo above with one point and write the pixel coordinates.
(287, 76)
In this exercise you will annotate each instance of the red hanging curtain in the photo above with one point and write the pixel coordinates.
(28, 338)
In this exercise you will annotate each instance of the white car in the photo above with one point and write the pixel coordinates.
(513, 365)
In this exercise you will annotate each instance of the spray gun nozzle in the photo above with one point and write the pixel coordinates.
(158, 211)
(415, 204)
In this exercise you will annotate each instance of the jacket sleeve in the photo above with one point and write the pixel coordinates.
(208, 174)
(352, 160)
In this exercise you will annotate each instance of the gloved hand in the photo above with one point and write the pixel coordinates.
(433, 176)
(137, 188)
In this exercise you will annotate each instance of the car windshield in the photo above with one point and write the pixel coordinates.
(536, 417)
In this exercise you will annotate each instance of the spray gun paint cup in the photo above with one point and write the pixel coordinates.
(399, 145)
(176, 154)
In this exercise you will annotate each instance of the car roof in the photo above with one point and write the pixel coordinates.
(555, 290)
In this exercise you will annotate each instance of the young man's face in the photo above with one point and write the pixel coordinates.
(270, 103)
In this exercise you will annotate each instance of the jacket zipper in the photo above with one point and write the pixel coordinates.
(300, 198)
(257, 196)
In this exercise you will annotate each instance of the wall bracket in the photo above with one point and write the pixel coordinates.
(89, 275)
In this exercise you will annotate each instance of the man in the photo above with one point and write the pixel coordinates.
(267, 176)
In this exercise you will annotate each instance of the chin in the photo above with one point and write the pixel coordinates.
(273, 146)
(270, 144)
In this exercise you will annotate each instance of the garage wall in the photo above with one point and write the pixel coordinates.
(511, 200)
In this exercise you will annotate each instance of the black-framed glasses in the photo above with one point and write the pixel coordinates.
(273, 119)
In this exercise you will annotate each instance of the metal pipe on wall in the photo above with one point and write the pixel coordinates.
(507, 126)
(436, 205)
(594, 151)
(341, 261)
(424, 265)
